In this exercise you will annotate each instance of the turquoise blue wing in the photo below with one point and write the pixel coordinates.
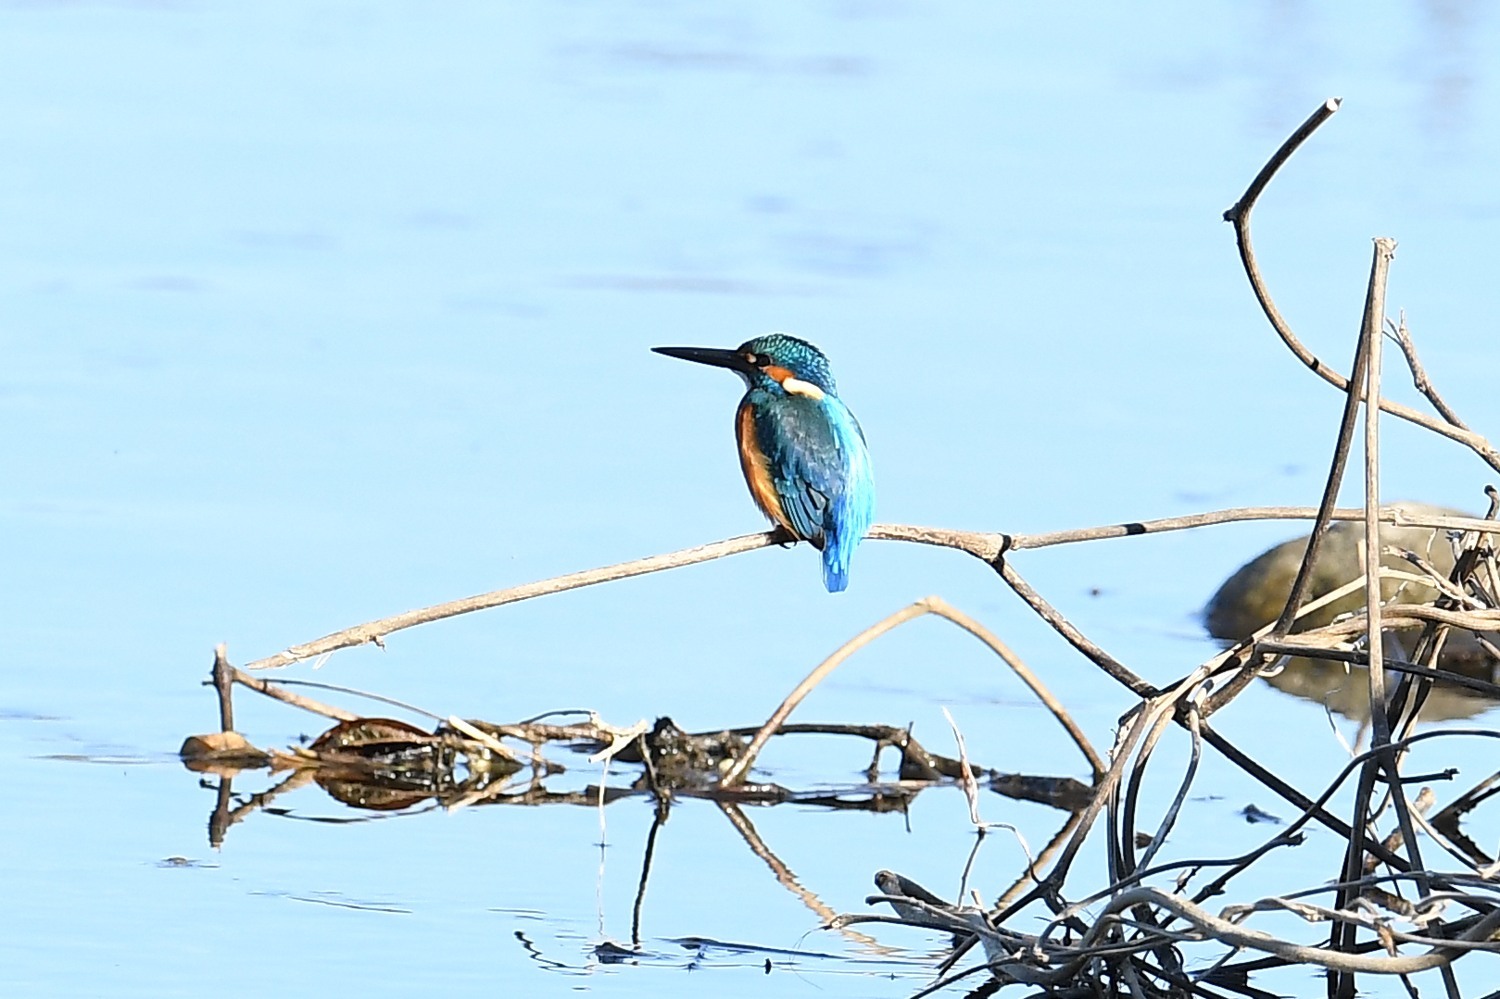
(820, 470)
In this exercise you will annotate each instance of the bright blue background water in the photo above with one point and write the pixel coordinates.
(314, 312)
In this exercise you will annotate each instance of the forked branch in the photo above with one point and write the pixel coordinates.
(1239, 217)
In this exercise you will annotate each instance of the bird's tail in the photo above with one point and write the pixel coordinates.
(835, 575)
(849, 516)
(837, 551)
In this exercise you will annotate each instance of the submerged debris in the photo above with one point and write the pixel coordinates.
(385, 764)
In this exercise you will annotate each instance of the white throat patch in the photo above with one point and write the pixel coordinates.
(797, 386)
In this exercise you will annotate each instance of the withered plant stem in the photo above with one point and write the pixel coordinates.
(1419, 373)
(280, 693)
(1341, 450)
(223, 681)
(1371, 339)
(1239, 217)
(928, 605)
(1108, 663)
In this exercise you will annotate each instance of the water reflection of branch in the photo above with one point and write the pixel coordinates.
(663, 806)
(788, 880)
(1030, 876)
(534, 952)
(223, 817)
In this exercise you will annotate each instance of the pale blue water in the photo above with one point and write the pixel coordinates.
(315, 312)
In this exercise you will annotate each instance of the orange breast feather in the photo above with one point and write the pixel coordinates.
(757, 469)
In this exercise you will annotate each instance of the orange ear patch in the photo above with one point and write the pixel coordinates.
(791, 383)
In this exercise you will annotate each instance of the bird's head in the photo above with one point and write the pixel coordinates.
(779, 359)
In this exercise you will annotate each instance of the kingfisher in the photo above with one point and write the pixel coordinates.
(801, 449)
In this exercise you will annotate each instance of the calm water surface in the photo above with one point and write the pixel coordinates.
(315, 312)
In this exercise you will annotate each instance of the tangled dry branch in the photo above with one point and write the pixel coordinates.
(1128, 937)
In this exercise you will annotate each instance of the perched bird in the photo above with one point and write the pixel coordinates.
(802, 451)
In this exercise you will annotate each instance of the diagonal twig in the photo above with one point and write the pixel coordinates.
(927, 605)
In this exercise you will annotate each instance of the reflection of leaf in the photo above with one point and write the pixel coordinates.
(378, 797)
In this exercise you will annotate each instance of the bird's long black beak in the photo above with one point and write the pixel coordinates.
(715, 356)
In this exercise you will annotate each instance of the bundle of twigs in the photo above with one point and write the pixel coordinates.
(1128, 937)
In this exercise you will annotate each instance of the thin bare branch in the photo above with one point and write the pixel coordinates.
(375, 631)
(736, 773)
(1239, 216)
(942, 608)
(1116, 669)
(927, 605)
(1238, 936)
(1419, 373)
(1340, 459)
(988, 547)
(280, 693)
(1370, 337)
